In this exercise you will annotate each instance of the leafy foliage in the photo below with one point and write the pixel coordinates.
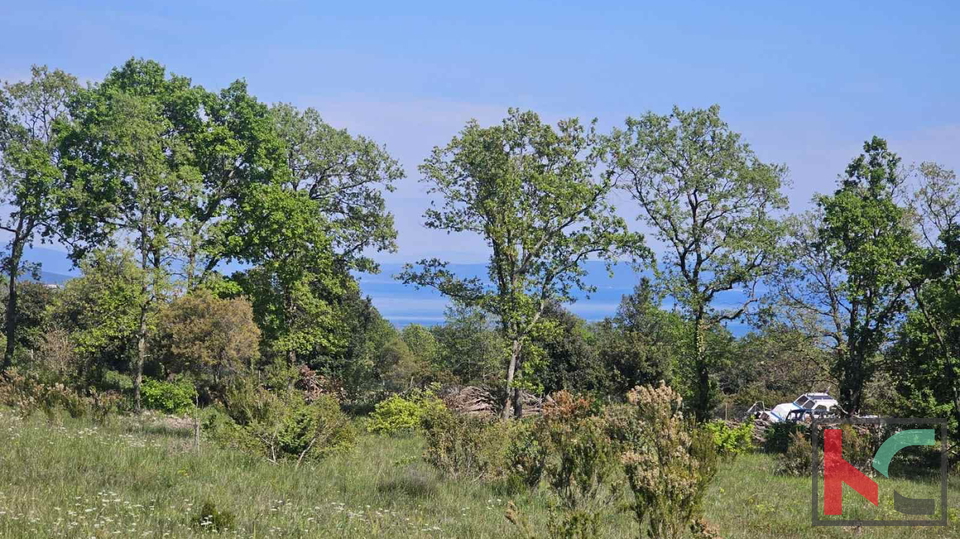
(925, 359)
(403, 414)
(731, 440)
(294, 283)
(344, 175)
(778, 435)
(797, 457)
(100, 311)
(715, 205)
(528, 189)
(209, 338)
(668, 462)
(170, 397)
(641, 344)
(469, 347)
(463, 447)
(282, 425)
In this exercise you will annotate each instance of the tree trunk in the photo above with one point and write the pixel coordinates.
(141, 356)
(10, 329)
(290, 309)
(851, 381)
(190, 269)
(142, 328)
(701, 371)
(512, 402)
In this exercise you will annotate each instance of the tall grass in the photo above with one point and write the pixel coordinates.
(144, 478)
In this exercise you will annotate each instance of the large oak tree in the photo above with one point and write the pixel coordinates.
(30, 176)
(131, 173)
(534, 193)
(850, 279)
(715, 206)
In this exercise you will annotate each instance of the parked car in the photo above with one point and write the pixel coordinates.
(814, 405)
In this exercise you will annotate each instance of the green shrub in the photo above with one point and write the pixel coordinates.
(21, 392)
(580, 462)
(580, 456)
(464, 447)
(797, 459)
(282, 425)
(669, 462)
(731, 440)
(103, 405)
(116, 381)
(168, 397)
(777, 437)
(402, 414)
(59, 397)
(212, 520)
(860, 444)
(26, 394)
(525, 456)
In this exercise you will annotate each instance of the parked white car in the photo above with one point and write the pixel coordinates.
(813, 404)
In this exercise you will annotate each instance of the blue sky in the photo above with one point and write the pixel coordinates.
(805, 83)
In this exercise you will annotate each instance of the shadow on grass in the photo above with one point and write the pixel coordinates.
(160, 429)
(413, 483)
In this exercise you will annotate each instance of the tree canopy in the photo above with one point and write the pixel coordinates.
(533, 192)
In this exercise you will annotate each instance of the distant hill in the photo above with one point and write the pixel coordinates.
(47, 277)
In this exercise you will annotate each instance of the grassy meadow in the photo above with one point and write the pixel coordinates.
(143, 477)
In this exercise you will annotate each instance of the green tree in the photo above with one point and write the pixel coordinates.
(32, 305)
(294, 283)
(344, 175)
(367, 333)
(209, 338)
(29, 174)
(925, 360)
(421, 342)
(529, 190)
(774, 364)
(100, 310)
(236, 150)
(469, 346)
(401, 368)
(850, 279)
(569, 354)
(642, 344)
(715, 206)
(131, 173)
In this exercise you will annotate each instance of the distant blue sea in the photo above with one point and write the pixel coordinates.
(402, 304)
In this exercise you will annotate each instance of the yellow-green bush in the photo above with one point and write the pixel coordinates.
(402, 414)
(731, 440)
(168, 397)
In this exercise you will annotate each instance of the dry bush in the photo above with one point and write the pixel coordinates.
(669, 462)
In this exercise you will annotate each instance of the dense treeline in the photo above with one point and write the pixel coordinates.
(154, 185)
